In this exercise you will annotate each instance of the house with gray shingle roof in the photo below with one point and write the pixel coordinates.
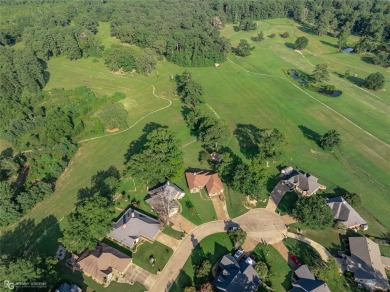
(305, 281)
(343, 212)
(304, 184)
(363, 259)
(133, 226)
(236, 276)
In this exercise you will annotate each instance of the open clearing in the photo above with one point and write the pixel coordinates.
(238, 97)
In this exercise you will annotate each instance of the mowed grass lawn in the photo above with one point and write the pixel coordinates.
(238, 97)
(160, 252)
(279, 271)
(212, 248)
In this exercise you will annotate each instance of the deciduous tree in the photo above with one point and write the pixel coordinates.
(330, 140)
(374, 81)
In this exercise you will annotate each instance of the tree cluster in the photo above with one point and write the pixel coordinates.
(246, 25)
(243, 49)
(127, 59)
(158, 159)
(301, 43)
(92, 218)
(374, 81)
(330, 140)
(313, 212)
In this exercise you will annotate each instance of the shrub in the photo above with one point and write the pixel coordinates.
(272, 35)
(285, 34)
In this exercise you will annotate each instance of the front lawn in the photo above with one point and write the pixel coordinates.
(197, 208)
(172, 232)
(279, 271)
(160, 252)
(287, 203)
(305, 253)
(212, 248)
(234, 203)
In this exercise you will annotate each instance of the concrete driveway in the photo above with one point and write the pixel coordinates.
(276, 196)
(260, 225)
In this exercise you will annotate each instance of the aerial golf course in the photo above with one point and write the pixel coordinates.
(255, 90)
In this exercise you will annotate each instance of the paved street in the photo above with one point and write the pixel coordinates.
(260, 224)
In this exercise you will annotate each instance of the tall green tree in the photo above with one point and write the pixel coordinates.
(89, 223)
(321, 73)
(243, 49)
(342, 40)
(313, 212)
(330, 140)
(301, 43)
(9, 210)
(374, 81)
(237, 237)
(159, 159)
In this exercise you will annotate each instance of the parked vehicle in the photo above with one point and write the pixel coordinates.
(295, 259)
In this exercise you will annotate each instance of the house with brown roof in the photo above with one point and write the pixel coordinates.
(303, 184)
(343, 212)
(101, 263)
(363, 258)
(204, 179)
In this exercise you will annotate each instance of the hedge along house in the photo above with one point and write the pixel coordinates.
(196, 181)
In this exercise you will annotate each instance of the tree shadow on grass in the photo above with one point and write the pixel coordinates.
(329, 44)
(28, 237)
(366, 59)
(137, 145)
(182, 281)
(310, 134)
(356, 80)
(289, 45)
(246, 135)
(306, 28)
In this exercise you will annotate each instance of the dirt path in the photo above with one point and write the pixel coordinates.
(220, 208)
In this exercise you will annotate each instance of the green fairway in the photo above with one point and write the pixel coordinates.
(279, 270)
(212, 248)
(160, 252)
(360, 165)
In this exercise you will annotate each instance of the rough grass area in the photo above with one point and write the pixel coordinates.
(159, 251)
(89, 285)
(287, 203)
(211, 248)
(279, 270)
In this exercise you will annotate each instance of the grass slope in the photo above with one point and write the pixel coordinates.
(279, 271)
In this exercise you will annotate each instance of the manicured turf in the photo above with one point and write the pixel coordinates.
(287, 203)
(359, 165)
(211, 248)
(87, 284)
(172, 232)
(159, 251)
(279, 270)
